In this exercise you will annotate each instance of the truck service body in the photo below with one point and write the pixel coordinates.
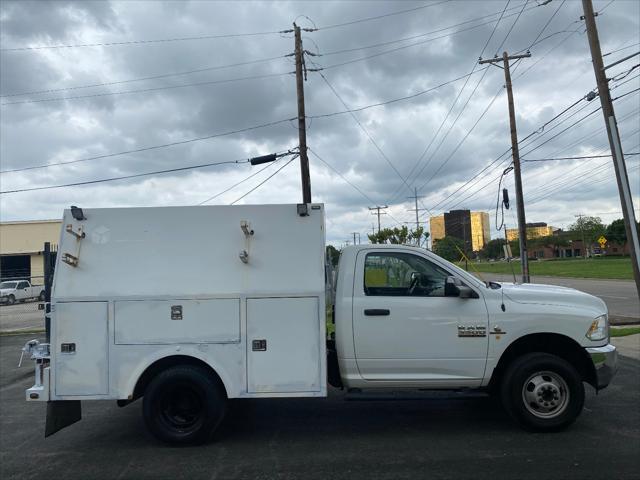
(189, 307)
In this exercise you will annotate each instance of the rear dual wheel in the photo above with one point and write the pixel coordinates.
(184, 405)
(542, 392)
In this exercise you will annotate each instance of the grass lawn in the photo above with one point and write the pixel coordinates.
(623, 331)
(616, 268)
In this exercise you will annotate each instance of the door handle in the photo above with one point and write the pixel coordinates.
(370, 312)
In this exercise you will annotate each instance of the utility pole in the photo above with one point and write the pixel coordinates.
(522, 223)
(378, 212)
(354, 237)
(614, 138)
(301, 70)
(415, 198)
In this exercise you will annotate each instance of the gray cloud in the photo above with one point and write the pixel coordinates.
(48, 132)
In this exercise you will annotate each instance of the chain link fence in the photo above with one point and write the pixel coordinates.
(23, 297)
(20, 300)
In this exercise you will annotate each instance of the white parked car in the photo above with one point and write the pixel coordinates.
(20, 290)
(244, 317)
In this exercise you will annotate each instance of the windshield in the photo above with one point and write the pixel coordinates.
(8, 285)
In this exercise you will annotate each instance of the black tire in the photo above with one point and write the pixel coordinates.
(11, 300)
(184, 405)
(41, 296)
(542, 392)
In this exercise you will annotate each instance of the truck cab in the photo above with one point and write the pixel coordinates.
(406, 318)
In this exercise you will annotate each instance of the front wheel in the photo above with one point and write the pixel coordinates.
(184, 405)
(542, 392)
(11, 300)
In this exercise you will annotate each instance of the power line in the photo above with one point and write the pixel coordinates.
(511, 28)
(238, 183)
(362, 127)
(124, 177)
(355, 187)
(395, 100)
(625, 94)
(140, 42)
(622, 48)
(584, 157)
(541, 130)
(367, 197)
(377, 17)
(140, 79)
(493, 180)
(147, 90)
(603, 8)
(240, 130)
(551, 186)
(420, 35)
(153, 147)
(212, 82)
(487, 108)
(404, 46)
(424, 152)
(553, 15)
(265, 180)
(263, 60)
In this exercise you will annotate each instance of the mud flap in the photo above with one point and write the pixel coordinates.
(61, 414)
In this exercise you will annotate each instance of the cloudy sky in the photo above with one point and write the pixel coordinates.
(127, 76)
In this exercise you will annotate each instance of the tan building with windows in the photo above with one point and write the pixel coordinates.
(477, 236)
(480, 231)
(436, 228)
(534, 230)
(21, 246)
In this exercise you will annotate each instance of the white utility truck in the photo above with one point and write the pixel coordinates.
(248, 321)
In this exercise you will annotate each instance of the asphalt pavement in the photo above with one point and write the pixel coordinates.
(21, 316)
(621, 296)
(456, 437)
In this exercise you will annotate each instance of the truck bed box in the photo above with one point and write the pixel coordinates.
(239, 288)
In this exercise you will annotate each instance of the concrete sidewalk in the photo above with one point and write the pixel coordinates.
(628, 346)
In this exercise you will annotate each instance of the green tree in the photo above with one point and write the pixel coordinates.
(449, 248)
(399, 236)
(616, 232)
(493, 249)
(334, 254)
(549, 241)
(589, 228)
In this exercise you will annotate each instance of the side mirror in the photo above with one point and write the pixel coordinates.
(453, 287)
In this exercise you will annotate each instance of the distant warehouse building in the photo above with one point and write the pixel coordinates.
(534, 230)
(470, 227)
(21, 247)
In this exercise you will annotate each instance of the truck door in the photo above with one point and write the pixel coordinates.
(406, 330)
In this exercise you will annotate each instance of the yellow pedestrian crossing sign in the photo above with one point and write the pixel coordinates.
(602, 241)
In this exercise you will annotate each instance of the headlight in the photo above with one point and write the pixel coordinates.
(599, 329)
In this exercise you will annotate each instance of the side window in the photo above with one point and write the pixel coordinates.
(402, 274)
(22, 285)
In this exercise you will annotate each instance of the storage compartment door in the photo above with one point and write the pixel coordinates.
(81, 362)
(283, 343)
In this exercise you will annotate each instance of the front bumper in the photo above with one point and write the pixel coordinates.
(605, 361)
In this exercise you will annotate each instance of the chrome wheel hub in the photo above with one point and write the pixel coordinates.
(545, 394)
